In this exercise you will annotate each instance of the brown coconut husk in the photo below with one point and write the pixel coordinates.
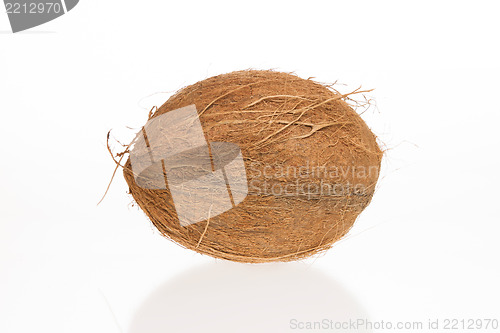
(280, 121)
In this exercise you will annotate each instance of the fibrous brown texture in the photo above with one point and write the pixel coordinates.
(299, 139)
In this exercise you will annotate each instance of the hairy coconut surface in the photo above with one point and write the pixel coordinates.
(311, 165)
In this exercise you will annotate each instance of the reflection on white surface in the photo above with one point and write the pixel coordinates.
(229, 297)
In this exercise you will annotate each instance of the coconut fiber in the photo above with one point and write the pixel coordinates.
(311, 165)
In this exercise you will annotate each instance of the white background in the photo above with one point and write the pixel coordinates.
(426, 248)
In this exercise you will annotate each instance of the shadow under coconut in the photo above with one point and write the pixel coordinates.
(230, 297)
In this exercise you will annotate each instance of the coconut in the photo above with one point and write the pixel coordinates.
(308, 167)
